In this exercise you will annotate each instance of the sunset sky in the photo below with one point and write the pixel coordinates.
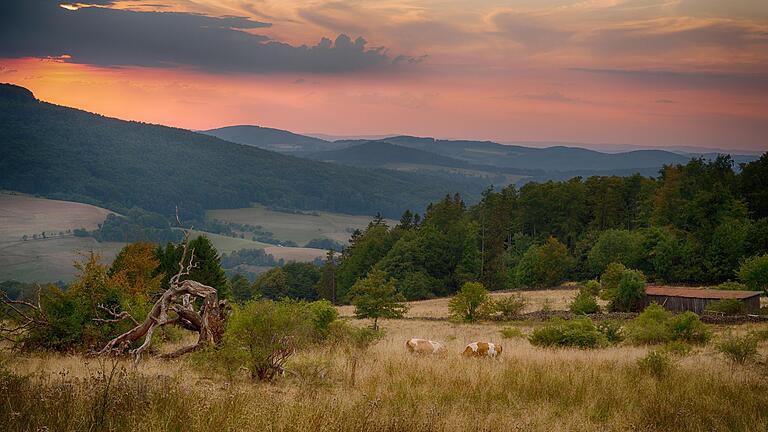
(666, 73)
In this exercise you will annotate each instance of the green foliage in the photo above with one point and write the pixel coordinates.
(511, 332)
(727, 306)
(592, 287)
(656, 325)
(261, 335)
(365, 250)
(241, 288)
(584, 303)
(579, 333)
(655, 363)
(323, 315)
(650, 327)
(544, 265)
(687, 327)
(376, 297)
(616, 246)
(738, 349)
(510, 306)
(732, 286)
(754, 272)
(612, 330)
(294, 280)
(466, 303)
(624, 288)
(272, 284)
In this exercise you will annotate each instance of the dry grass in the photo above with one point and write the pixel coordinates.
(555, 299)
(528, 388)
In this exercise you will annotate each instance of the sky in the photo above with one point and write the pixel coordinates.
(610, 73)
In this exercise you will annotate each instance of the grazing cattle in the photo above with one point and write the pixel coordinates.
(424, 346)
(482, 349)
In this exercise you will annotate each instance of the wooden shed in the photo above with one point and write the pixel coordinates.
(679, 299)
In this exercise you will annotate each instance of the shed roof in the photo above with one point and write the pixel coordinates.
(699, 293)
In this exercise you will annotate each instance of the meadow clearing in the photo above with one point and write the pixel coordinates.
(297, 227)
(382, 388)
(51, 258)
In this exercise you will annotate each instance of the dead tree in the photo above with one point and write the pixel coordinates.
(176, 306)
(23, 315)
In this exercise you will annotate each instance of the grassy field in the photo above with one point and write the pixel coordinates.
(48, 259)
(386, 389)
(299, 228)
(226, 244)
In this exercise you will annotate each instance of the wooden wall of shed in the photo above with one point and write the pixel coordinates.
(697, 305)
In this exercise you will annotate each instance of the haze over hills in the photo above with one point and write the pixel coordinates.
(66, 153)
(555, 160)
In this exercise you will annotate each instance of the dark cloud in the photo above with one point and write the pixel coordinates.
(693, 79)
(109, 37)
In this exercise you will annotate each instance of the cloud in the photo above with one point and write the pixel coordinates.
(665, 101)
(531, 32)
(113, 38)
(553, 96)
(691, 79)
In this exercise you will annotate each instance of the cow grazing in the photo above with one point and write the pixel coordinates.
(424, 346)
(482, 349)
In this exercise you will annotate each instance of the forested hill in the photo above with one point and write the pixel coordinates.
(271, 139)
(67, 153)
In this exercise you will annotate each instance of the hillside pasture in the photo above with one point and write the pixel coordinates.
(387, 389)
(297, 227)
(51, 258)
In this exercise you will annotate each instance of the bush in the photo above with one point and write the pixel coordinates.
(610, 279)
(655, 363)
(687, 327)
(656, 325)
(511, 332)
(650, 327)
(584, 304)
(630, 292)
(727, 306)
(509, 307)
(267, 333)
(592, 287)
(465, 304)
(612, 330)
(739, 349)
(732, 286)
(754, 273)
(579, 332)
(323, 315)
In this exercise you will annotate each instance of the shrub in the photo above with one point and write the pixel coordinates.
(584, 304)
(511, 332)
(465, 304)
(610, 279)
(655, 363)
(612, 330)
(687, 327)
(656, 325)
(727, 306)
(509, 307)
(579, 332)
(732, 286)
(592, 287)
(650, 327)
(630, 292)
(323, 314)
(753, 272)
(739, 349)
(267, 333)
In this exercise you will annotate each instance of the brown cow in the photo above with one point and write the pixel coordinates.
(482, 349)
(424, 346)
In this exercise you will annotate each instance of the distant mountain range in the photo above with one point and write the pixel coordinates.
(426, 154)
(65, 153)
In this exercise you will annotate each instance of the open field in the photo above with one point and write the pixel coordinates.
(386, 389)
(299, 228)
(49, 259)
(555, 299)
(227, 244)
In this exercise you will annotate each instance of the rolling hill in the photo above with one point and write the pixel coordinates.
(271, 139)
(65, 153)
